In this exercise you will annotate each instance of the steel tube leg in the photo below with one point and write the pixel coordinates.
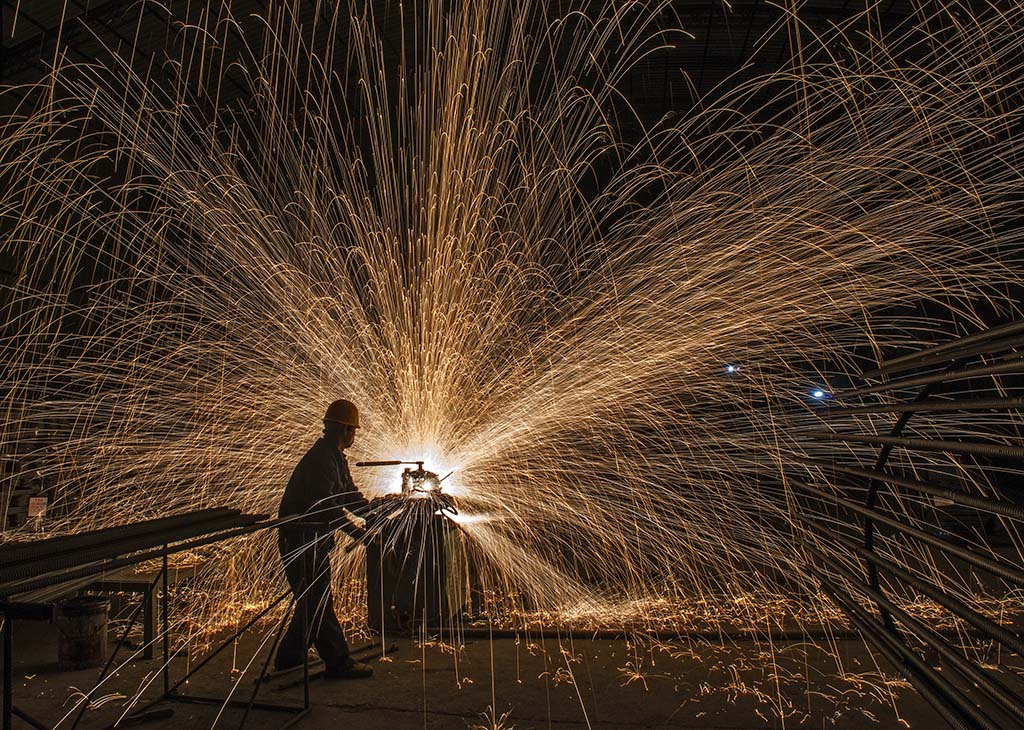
(166, 622)
(8, 673)
(149, 612)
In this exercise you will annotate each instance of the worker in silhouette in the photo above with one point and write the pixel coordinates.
(320, 496)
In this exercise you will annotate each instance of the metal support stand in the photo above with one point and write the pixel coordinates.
(171, 691)
(63, 561)
(166, 623)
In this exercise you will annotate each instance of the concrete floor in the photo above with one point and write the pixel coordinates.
(538, 683)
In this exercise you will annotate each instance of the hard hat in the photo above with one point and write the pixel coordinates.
(344, 412)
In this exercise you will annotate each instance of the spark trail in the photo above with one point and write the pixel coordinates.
(454, 234)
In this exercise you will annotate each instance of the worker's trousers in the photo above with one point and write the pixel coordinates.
(308, 568)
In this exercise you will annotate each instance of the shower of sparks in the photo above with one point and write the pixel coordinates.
(610, 339)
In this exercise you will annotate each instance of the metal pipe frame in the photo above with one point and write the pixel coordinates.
(951, 694)
(900, 657)
(170, 693)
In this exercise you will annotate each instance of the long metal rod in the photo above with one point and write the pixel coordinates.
(989, 334)
(1001, 569)
(1005, 697)
(1013, 364)
(917, 444)
(946, 690)
(934, 406)
(1006, 509)
(991, 348)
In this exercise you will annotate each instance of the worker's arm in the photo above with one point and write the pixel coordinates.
(350, 500)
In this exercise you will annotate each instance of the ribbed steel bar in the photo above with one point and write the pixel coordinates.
(905, 362)
(999, 568)
(1012, 364)
(918, 444)
(992, 347)
(1005, 509)
(933, 406)
(895, 653)
(1004, 697)
(950, 603)
(14, 552)
(113, 548)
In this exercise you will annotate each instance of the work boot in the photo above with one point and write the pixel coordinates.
(351, 670)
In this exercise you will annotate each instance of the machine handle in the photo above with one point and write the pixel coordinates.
(379, 463)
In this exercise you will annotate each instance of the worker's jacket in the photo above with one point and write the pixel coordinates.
(321, 488)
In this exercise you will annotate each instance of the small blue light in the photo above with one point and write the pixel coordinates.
(818, 394)
(732, 369)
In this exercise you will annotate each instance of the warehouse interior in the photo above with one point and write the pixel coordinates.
(512, 364)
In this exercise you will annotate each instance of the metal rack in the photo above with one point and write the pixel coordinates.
(892, 516)
(33, 574)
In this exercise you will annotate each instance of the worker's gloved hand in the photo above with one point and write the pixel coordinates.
(353, 530)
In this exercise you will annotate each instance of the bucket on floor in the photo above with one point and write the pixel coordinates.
(82, 632)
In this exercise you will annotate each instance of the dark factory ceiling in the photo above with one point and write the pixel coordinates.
(721, 43)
